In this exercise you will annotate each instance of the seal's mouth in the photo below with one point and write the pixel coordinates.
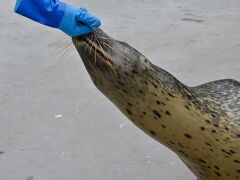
(95, 50)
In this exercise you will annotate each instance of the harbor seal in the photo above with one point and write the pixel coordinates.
(200, 124)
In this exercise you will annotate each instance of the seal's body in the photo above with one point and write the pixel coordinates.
(200, 124)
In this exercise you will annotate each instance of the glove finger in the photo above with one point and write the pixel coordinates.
(87, 18)
(83, 9)
(82, 30)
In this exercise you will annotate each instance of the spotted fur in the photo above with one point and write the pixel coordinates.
(200, 124)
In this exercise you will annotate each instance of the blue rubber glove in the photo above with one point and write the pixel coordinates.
(78, 21)
(70, 19)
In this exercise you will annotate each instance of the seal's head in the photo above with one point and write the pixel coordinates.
(115, 67)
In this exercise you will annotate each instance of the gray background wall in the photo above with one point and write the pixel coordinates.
(55, 125)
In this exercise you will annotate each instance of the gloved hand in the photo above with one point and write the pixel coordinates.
(78, 21)
(70, 19)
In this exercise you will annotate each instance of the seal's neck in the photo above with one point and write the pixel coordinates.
(155, 103)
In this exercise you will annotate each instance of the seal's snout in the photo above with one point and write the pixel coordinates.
(96, 33)
(105, 54)
(100, 33)
(95, 51)
(78, 39)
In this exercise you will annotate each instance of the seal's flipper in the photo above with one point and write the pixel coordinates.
(225, 93)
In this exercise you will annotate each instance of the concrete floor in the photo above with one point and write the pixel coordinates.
(55, 125)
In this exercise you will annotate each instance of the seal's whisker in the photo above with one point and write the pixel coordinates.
(62, 47)
(91, 47)
(64, 39)
(90, 50)
(116, 51)
(105, 38)
(110, 63)
(99, 42)
(65, 52)
(86, 46)
(102, 50)
(107, 48)
(62, 51)
(62, 44)
(93, 39)
(95, 56)
(101, 38)
(80, 43)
